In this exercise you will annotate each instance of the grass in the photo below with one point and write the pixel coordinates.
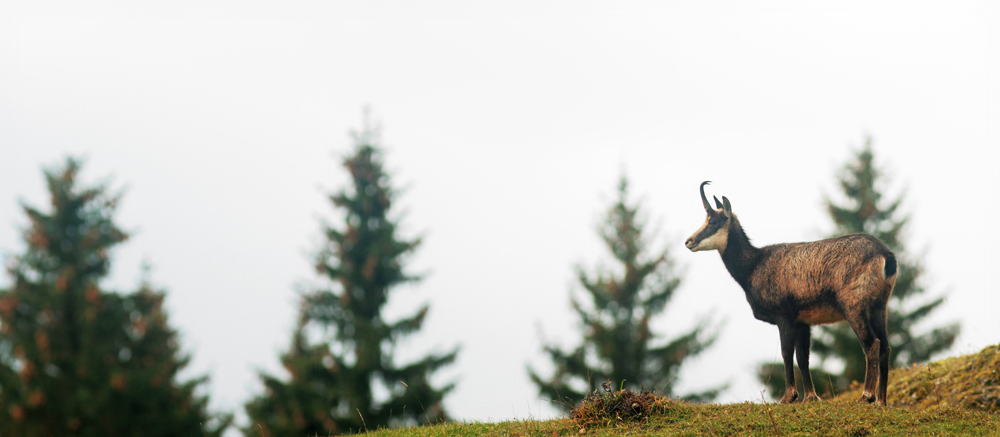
(954, 396)
(745, 419)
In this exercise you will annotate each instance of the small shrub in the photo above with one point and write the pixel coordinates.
(623, 406)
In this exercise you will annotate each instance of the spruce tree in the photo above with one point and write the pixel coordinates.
(867, 210)
(79, 360)
(332, 388)
(618, 344)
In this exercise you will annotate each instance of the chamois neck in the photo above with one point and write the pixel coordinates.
(740, 255)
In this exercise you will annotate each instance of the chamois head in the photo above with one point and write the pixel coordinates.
(714, 233)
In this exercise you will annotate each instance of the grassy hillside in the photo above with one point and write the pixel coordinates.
(968, 382)
(954, 396)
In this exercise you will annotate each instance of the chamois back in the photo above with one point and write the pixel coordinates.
(807, 270)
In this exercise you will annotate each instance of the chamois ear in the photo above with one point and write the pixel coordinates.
(717, 203)
(727, 209)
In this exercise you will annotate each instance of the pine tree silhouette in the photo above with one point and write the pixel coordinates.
(617, 344)
(76, 359)
(333, 382)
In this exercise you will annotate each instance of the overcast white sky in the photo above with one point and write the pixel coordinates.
(508, 123)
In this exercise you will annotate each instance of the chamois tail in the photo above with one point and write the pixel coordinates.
(890, 265)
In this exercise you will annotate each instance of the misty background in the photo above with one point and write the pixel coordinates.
(508, 125)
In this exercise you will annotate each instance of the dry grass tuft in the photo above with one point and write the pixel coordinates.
(624, 406)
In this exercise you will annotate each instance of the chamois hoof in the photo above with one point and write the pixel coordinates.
(866, 398)
(812, 397)
(789, 397)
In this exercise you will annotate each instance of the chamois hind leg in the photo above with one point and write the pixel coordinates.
(879, 322)
(870, 344)
(802, 339)
(786, 330)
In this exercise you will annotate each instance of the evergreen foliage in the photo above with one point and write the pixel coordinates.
(617, 344)
(78, 360)
(867, 210)
(334, 382)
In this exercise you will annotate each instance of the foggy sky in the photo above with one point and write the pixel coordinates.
(507, 125)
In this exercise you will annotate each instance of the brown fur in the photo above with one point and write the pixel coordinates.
(819, 315)
(797, 285)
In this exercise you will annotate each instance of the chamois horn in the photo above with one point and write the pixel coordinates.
(704, 200)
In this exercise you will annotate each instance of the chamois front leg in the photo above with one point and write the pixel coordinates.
(786, 331)
(802, 339)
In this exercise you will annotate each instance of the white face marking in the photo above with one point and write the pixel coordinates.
(716, 241)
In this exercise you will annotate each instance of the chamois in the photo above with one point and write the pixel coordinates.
(796, 285)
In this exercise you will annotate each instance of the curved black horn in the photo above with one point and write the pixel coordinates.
(704, 200)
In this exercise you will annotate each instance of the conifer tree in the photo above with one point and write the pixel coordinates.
(76, 359)
(863, 183)
(618, 344)
(332, 389)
